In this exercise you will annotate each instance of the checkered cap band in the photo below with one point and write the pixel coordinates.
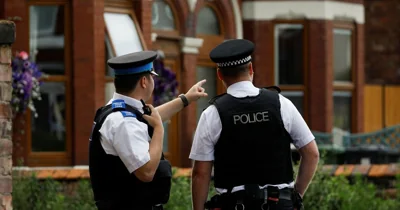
(234, 63)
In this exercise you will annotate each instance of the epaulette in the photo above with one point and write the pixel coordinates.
(128, 114)
(119, 105)
(273, 88)
(211, 101)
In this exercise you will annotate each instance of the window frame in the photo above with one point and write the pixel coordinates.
(118, 4)
(55, 158)
(293, 88)
(342, 86)
(171, 34)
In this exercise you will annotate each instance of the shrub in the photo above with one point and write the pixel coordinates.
(29, 193)
(325, 193)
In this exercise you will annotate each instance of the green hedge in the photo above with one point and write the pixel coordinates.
(325, 193)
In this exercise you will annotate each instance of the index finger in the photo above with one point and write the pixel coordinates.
(201, 82)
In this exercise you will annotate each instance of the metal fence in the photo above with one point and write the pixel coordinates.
(387, 139)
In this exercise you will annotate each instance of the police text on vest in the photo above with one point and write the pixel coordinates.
(251, 117)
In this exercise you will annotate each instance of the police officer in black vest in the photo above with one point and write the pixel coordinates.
(126, 164)
(246, 135)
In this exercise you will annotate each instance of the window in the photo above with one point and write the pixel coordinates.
(122, 37)
(49, 134)
(343, 85)
(208, 23)
(162, 16)
(342, 110)
(342, 55)
(208, 27)
(289, 62)
(123, 33)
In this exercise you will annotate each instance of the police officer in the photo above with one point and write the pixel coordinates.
(245, 134)
(126, 164)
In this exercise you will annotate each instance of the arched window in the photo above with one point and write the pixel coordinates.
(162, 16)
(208, 27)
(207, 23)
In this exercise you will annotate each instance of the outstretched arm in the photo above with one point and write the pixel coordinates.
(170, 108)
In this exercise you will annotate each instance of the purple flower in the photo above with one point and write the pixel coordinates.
(27, 64)
(25, 76)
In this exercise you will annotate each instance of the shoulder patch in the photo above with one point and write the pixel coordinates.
(128, 114)
(212, 100)
(118, 104)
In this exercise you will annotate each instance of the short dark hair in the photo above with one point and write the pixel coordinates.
(125, 84)
(234, 71)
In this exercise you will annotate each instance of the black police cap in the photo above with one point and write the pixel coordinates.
(133, 63)
(232, 53)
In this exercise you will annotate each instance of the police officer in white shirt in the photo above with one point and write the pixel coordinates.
(245, 134)
(126, 164)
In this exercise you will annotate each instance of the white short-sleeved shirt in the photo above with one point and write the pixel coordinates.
(209, 127)
(126, 137)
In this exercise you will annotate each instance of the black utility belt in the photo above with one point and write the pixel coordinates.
(251, 195)
(269, 193)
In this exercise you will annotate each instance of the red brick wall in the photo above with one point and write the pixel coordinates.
(320, 76)
(261, 33)
(382, 44)
(7, 31)
(143, 15)
(89, 68)
(12, 9)
(360, 80)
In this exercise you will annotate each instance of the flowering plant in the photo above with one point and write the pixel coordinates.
(165, 85)
(25, 83)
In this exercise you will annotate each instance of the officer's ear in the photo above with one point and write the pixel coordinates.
(144, 80)
(251, 72)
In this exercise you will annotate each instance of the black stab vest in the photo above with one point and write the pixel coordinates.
(254, 146)
(111, 180)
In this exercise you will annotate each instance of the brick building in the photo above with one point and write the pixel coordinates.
(314, 50)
